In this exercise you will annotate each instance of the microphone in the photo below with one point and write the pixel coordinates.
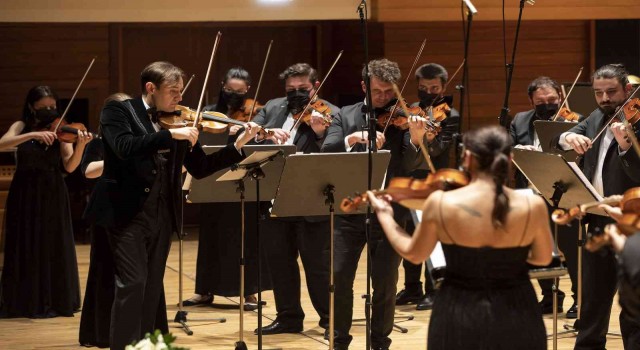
(363, 3)
(470, 6)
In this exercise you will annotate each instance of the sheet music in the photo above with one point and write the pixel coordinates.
(584, 180)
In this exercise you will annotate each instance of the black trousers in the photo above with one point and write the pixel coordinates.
(568, 244)
(412, 272)
(283, 239)
(140, 250)
(350, 239)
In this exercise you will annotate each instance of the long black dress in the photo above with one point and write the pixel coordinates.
(40, 273)
(486, 302)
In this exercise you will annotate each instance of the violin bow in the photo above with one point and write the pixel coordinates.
(64, 114)
(315, 94)
(424, 150)
(406, 79)
(264, 66)
(566, 98)
(196, 120)
(450, 79)
(188, 83)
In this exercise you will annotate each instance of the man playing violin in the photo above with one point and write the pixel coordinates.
(612, 167)
(138, 197)
(285, 238)
(346, 134)
(544, 96)
(432, 81)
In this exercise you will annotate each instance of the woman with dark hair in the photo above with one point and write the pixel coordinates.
(217, 267)
(486, 300)
(40, 273)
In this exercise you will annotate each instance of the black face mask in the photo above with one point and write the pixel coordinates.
(426, 99)
(45, 116)
(297, 100)
(546, 110)
(233, 99)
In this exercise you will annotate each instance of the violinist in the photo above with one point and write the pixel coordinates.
(217, 271)
(231, 100)
(304, 236)
(544, 96)
(137, 198)
(488, 233)
(432, 80)
(346, 134)
(39, 232)
(612, 167)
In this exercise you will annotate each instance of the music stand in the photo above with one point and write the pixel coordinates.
(311, 181)
(229, 186)
(548, 131)
(562, 185)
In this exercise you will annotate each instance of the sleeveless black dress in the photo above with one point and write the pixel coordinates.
(486, 302)
(40, 273)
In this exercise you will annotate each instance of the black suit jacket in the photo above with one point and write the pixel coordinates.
(439, 148)
(274, 114)
(619, 173)
(130, 143)
(404, 156)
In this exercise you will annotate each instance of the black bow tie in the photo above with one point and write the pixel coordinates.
(153, 114)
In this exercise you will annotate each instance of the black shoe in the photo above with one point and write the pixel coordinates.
(278, 327)
(326, 334)
(426, 303)
(546, 304)
(573, 311)
(204, 300)
(405, 297)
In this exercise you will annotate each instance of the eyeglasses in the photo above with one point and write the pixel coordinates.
(228, 90)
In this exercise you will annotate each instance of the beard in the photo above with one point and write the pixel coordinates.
(607, 109)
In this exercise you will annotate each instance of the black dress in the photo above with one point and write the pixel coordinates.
(486, 302)
(40, 274)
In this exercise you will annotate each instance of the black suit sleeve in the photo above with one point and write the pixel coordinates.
(261, 117)
(631, 163)
(412, 158)
(334, 141)
(94, 152)
(512, 131)
(116, 122)
(201, 165)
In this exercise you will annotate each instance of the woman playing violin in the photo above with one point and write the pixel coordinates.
(486, 293)
(39, 233)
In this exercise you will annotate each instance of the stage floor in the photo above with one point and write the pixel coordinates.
(62, 332)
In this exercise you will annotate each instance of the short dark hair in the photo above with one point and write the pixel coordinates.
(237, 73)
(34, 95)
(612, 71)
(383, 69)
(432, 71)
(158, 73)
(541, 82)
(300, 70)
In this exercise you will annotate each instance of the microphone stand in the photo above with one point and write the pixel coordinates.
(370, 125)
(457, 140)
(504, 113)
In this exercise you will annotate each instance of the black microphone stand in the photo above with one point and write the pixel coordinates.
(504, 113)
(457, 140)
(370, 125)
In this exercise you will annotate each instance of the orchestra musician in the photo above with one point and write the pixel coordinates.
(432, 80)
(40, 272)
(346, 134)
(217, 270)
(544, 96)
(488, 233)
(137, 198)
(612, 167)
(286, 238)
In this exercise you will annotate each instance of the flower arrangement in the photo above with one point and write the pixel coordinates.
(155, 341)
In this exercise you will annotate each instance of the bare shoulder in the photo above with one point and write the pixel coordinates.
(432, 203)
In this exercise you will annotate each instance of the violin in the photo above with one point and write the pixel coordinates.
(631, 110)
(629, 202)
(317, 106)
(66, 132)
(400, 120)
(211, 122)
(247, 110)
(440, 111)
(568, 115)
(410, 192)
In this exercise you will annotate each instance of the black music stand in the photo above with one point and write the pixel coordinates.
(229, 186)
(310, 182)
(562, 185)
(548, 131)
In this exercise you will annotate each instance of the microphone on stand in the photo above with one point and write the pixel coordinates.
(363, 3)
(472, 8)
